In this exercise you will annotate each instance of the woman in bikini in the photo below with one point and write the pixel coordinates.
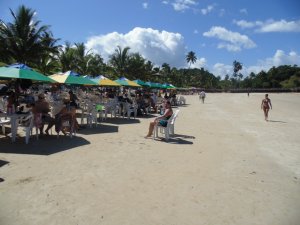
(266, 105)
(162, 120)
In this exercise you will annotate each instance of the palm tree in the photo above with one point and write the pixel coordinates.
(136, 67)
(191, 58)
(66, 57)
(237, 66)
(22, 40)
(166, 70)
(119, 60)
(48, 62)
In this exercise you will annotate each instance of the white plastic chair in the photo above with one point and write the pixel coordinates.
(169, 129)
(112, 108)
(27, 123)
(129, 109)
(3, 104)
(92, 114)
(70, 126)
(3, 122)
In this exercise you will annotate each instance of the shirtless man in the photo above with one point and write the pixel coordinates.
(266, 105)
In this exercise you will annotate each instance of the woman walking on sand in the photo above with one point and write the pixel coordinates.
(266, 105)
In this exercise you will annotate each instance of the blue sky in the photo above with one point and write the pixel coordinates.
(258, 33)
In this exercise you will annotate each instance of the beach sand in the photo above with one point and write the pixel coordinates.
(226, 165)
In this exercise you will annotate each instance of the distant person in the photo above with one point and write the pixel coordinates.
(202, 96)
(266, 105)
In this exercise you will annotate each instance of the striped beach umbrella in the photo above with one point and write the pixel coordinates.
(142, 83)
(169, 86)
(21, 71)
(71, 78)
(104, 81)
(125, 82)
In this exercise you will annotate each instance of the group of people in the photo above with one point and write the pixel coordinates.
(41, 111)
(40, 108)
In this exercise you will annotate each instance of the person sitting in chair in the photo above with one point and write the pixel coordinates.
(67, 113)
(41, 111)
(161, 120)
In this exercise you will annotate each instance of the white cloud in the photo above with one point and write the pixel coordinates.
(278, 59)
(182, 5)
(199, 63)
(157, 46)
(220, 69)
(145, 5)
(233, 41)
(207, 10)
(196, 31)
(244, 11)
(280, 26)
(246, 24)
(271, 25)
(222, 12)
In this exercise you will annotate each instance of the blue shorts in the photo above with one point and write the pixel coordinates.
(163, 123)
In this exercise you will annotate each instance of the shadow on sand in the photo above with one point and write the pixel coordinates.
(46, 145)
(177, 139)
(185, 105)
(121, 121)
(100, 129)
(276, 121)
(3, 162)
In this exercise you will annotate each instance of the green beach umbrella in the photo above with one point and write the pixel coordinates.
(125, 82)
(169, 86)
(71, 78)
(21, 71)
(154, 85)
(104, 81)
(142, 83)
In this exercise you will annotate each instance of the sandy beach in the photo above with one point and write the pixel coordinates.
(224, 166)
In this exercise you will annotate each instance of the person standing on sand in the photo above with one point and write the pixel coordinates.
(266, 105)
(202, 96)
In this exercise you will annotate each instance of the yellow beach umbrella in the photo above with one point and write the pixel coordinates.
(125, 82)
(71, 78)
(104, 81)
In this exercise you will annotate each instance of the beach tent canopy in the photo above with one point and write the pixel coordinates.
(169, 86)
(70, 77)
(21, 71)
(142, 83)
(154, 85)
(103, 81)
(125, 82)
(72, 73)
